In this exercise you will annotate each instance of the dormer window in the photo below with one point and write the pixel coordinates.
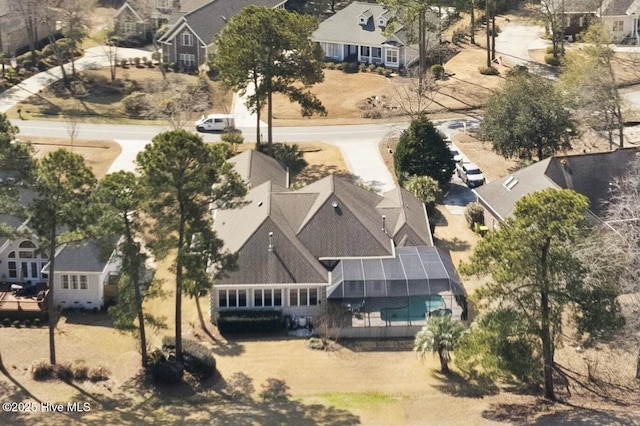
(364, 17)
(382, 22)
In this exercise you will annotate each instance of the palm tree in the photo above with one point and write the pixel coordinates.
(439, 336)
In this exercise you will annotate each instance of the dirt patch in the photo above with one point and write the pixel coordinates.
(99, 155)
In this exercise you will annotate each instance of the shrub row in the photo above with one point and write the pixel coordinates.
(8, 322)
(238, 321)
(42, 370)
(355, 67)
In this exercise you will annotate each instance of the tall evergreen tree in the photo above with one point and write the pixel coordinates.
(536, 272)
(63, 183)
(119, 198)
(271, 50)
(421, 151)
(185, 178)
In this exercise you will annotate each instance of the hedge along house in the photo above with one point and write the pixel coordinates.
(333, 244)
(356, 33)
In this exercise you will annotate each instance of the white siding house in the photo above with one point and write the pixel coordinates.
(81, 272)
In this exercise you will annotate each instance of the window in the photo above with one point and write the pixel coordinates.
(188, 59)
(24, 269)
(303, 297)
(331, 50)
(618, 26)
(129, 28)
(25, 254)
(364, 50)
(13, 269)
(242, 297)
(392, 56)
(232, 298)
(83, 282)
(363, 20)
(34, 270)
(376, 52)
(27, 244)
(187, 39)
(382, 22)
(12, 255)
(74, 282)
(65, 282)
(257, 298)
(267, 298)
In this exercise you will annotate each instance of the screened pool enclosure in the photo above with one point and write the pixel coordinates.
(407, 289)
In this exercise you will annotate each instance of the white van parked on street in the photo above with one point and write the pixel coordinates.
(215, 123)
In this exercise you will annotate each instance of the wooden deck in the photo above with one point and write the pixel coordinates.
(19, 307)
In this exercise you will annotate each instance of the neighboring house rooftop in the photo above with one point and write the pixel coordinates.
(578, 6)
(83, 256)
(206, 19)
(126, 7)
(345, 26)
(615, 7)
(588, 174)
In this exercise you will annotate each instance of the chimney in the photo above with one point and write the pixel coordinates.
(270, 241)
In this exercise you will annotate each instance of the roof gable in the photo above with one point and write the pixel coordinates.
(207, 19)
(588, 174)
(126, 8)
(357, 23)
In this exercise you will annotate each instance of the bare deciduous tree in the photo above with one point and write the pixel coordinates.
(179, 103)
(413, 96)
(592, 84)
(622, 246)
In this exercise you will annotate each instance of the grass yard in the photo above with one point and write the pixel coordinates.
(105, 103)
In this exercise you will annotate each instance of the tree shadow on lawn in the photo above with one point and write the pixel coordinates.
(455, 384)
(228, 348)
(84, 317)
(542, 412)
(452, 245)
(140, 402)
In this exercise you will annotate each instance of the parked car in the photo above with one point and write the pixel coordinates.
(443, 136)
(215, 123)
(470, 174)
(457, 157)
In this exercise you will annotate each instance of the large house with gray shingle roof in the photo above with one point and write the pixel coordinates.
(190, 36)
(588, 174)
(329, 242)
(356, 33)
